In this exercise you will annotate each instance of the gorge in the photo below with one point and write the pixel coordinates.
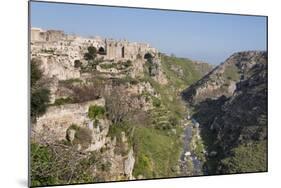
(109, 110)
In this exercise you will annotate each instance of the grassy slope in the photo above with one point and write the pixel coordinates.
(157, 151)
(190, 74)
(247, 158)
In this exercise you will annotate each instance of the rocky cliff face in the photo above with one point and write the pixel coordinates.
(111, 117)
(222, 80)
(244, 115)
(54, 123)
(71, 123)
(236, 118)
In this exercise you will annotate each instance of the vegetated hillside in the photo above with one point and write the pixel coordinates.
(158, 148)
(234, 125)
(223, 78)
(181, 71)
(107, 120)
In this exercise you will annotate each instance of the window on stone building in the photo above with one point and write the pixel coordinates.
(123, 52)
(101, 51)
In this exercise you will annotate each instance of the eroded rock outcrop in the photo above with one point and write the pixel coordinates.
(244, 115)
(234, 116)
(54, 123)
(222, 80)
(129, 164)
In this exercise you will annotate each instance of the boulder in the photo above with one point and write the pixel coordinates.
(212, 153)
(71, 134)
(129, 164)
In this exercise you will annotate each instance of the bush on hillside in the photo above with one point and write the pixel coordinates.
(77, 63)
(40, 96)
(95, 111)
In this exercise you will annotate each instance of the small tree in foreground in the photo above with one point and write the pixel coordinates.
(40, 96)
(118, 105)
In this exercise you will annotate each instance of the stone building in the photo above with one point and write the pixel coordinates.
(35, 34)
(109, 49)
(126, 50)
(39, 35)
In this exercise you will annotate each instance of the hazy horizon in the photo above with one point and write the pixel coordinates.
(204, 37)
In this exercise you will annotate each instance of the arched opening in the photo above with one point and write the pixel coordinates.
(148, 56)
(101, 51)
(152, 67)
(123, 52)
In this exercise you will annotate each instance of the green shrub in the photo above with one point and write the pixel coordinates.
(115, 131)
(95, 111)
(173, 120)
(156, 102)
(247, 158)
(39, 101)
(127, 63)
(62, 101)
(77, 63)
(108, 66)
(92, 50)
(199, 150)
(91, 54)
(163, 125)
(35, 71)
(144, 165)
(40, 96)
(41, 158)
(106, 166)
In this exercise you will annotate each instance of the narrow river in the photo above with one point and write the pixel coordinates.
(188, 156)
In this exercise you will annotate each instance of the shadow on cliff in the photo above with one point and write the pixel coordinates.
(205, 113)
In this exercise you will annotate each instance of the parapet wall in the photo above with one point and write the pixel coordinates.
(54, 123)
(109, 49)
(39, 35)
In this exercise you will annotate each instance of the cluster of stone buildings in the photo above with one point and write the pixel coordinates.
(109, 49)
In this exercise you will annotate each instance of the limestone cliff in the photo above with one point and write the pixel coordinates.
(106, 97)
(222, 80)
(233, 117)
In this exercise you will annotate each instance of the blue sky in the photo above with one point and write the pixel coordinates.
(199, 36)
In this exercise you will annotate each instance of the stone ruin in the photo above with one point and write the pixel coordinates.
(108, 49)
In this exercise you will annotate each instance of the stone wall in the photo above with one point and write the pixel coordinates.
(40, 35)
(58, 67)
(35, 34)
(62, 43)
(54, 123)
(120, 50)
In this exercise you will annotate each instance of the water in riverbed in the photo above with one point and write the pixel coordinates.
(188, 155)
